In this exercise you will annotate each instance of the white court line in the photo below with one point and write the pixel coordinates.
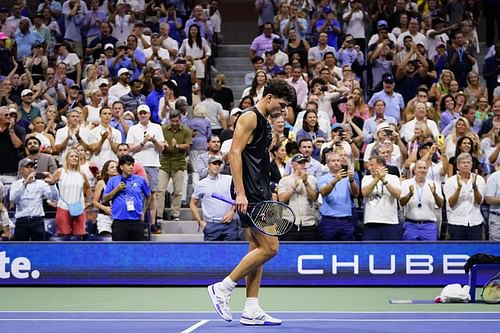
(274, 311)
(195, 326)
(204, 321)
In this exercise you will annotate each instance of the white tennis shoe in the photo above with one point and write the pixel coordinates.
(220, 300)
(258, 318)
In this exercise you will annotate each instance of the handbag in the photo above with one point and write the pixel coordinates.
(75, 209)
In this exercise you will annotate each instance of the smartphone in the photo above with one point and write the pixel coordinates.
(344, 168)
(440, 140)
(39, 175)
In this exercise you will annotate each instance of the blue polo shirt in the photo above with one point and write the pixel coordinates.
(153, 101)
(393, 104)
(339, 202)
(137, 188)
(25, 41)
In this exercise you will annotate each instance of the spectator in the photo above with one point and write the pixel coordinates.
(338, 188)
(270, 66)
(411, 74)
(43, 161)
(312, 166)
(122, 87)
(310, 129)
(25, 39)
(218, 221)
(298, 190)
(263, 42)
(134, 98)
(183, 79)
(257, 88)
(153, 99)
(266, 11)
(167, 42)
(448, 113)
(408, 129)
(27, 194)
(202, 132)
(394, 102)
(381, 192)
(104, 222)
(420, 213)
(97, 46)
(4, 216)
(214, 150)
(355, 18)
(316, 54)
(136, 55)
(105, 139)
(156, 54)
(11, 140)
(197, 47)
(379, 117)
(130, 196)
(223, 94)
(72, 134)
(297, 46)
(146, 143)
(295, 22)
(461, 58)
(74, 12)
(417, 37)
(169, 100)
(73, 65)
(492, 198)
(205, 26)
(323, 119)
(277, 167)
(465, 192)
(491, 71)
(122, 20)
(474, 90)
(465, 144)
(73, 188)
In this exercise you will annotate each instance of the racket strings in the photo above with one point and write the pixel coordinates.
(273, 218)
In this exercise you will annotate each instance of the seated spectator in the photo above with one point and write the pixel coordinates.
(420, 196)
(465, 144)
(46, 140)
(379, 117)
(263, 42)
(381, 192)
(297, 46)
(257, 88)
(316, 53)
(323, 95)
(394, 103)
(122, 87)
(280, 57)
(408, 129)
(310, 129)
(385, 135)
(200, 19)
(464, 193)
(323, 119)
(27, 194)
(270, 66)
(218, 221)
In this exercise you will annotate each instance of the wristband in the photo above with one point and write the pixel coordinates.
(385, 182)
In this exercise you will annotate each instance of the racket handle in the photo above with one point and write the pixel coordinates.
(223, 198)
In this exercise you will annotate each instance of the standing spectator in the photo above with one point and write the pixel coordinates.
(105, 139)
(298, 190)
(420, 196)
(74, 12)
(381, 192)
(312, 166)
(214, 150)
(104, 222)
(410, 74)
(491, 7)
(71, 135)
(223, 94)
(316, 54)
(280, 57)
(338, 188)
(205, 26)
(156, 53)
(97, 46)
(329, 25)
(122, 20)
(394, 103)
(118, 121)
(146, 143)
(310, 129)
(355, 18)
(266, 9)
(461, 58)
(263, 42)
(178, 138)
(27, 110)
(93, 20)
(25, 39)
(11, 140)
(121, 87)
(299, 24)
(297, 46)
(464, 193)
(197, 47)
(215, 112)
(492, 198)
(74, 188)
(134, 98)
(408, 129)
(168, 42)
(184, 80)
(202, 132)
(299, 84)
(27, 194)
(218, 222)
(130, 196)
(416, 36)
(491, 70)
(72, 61)
(43, 162)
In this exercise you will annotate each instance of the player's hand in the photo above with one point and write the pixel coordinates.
(241, 203)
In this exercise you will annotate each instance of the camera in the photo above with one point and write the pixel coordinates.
(324, 88)
(388, 132)
(39, 175)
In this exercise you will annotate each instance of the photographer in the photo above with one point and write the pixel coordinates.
(385, 136)
(28, 194)
(341, 139)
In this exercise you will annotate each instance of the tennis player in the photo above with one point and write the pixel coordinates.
(249, 160)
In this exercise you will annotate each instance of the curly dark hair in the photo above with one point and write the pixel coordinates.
(280, 89)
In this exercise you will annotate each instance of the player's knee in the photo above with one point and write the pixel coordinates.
(271, 250)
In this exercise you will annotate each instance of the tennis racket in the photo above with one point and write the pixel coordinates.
(271, 217)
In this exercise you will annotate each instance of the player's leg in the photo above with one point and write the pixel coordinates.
(253, 313)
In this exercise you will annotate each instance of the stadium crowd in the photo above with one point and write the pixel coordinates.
(108, 108)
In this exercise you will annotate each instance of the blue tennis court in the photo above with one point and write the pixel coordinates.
(136, 321)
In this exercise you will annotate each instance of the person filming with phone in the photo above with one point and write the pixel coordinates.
(28, 194)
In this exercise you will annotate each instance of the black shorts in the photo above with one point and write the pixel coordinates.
(245, 221)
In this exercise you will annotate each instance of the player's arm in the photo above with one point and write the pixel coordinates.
(244, 130)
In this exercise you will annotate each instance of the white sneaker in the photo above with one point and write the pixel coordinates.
(220, 300)
(258, 318)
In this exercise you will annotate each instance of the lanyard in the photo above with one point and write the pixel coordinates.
(420, 192)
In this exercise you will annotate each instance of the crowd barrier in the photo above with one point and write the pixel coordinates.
(192, 264)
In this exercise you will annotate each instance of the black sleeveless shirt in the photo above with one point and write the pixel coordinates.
(256, 162)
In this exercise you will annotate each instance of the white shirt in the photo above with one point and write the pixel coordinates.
(170, 43)
(323, 122)
(106, 153)
(381, 206)
(147, 156)
(395, 157)
(466, 212)
(29, 199)
(140, 44)
(305, 210)
(62, 134)
(118, 90)
(162, 53)
(418, 38)
(493, 189)
(355, 26)
(421, 195)
(408, 129)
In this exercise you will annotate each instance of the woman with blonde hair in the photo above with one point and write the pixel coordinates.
(223, 94)
(202, 132)
(474, 90)
(52, 120)
(91, 80)
(460, 129)
(442, 87)
(90, 112)
(73, 189)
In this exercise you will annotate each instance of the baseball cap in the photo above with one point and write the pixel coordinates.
(180, 61)
(103, 82)
(299, 158)
(382, 24)
(382, 127)
(235, 111)
(268, 52)
(26, 92)
(123, 71)
(327, 9)
(388, 78)
(120, 44)
(336, 126)
(440, 44)
(214, 159)
(25, 162)
(109, 46)
(143, 107)
(75, 86)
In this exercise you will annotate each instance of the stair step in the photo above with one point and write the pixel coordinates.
(235, 50)
(185, 214)
(179, 227)
(182, 238)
